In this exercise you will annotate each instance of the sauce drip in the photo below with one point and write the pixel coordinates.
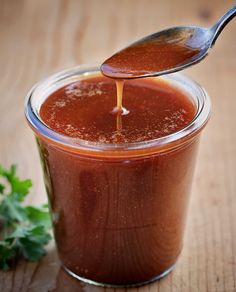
(119, 89)
(119, 110)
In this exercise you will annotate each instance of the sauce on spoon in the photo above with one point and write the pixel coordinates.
(147, 58)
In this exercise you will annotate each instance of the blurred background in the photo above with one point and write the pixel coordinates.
(41, 37)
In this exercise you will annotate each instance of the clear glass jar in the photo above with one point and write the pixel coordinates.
(118, 210)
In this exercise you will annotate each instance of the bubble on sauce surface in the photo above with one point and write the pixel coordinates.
(83, 89)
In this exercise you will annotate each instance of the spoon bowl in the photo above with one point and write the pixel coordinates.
(165, 52)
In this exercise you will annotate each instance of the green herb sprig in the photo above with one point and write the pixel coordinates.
(24, 230)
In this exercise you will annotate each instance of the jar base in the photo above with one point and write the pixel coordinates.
(91, 282)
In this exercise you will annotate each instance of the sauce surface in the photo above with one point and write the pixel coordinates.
(87, 109)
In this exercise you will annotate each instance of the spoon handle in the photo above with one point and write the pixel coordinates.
(222, 22)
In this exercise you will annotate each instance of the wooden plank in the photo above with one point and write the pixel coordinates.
(41, 37)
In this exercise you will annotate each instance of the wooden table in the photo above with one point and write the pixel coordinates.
(38, 38)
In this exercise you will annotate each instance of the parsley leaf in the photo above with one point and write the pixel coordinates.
(19, 188)
(39, 215)
(24, 230)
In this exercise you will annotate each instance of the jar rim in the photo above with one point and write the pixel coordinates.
(73, 144)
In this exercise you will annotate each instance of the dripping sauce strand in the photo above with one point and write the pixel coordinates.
(119, 109)
(119, 89)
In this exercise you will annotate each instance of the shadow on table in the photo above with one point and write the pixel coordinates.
(49, 276)
(66, 283)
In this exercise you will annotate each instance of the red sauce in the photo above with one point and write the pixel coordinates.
(118, 220)
(86, 110)
(147, 58)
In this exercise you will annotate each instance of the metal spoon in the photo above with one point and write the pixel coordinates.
(166, 51)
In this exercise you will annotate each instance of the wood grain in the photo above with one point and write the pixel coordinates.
(41, 37)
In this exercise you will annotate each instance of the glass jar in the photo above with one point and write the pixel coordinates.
(118, 210)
